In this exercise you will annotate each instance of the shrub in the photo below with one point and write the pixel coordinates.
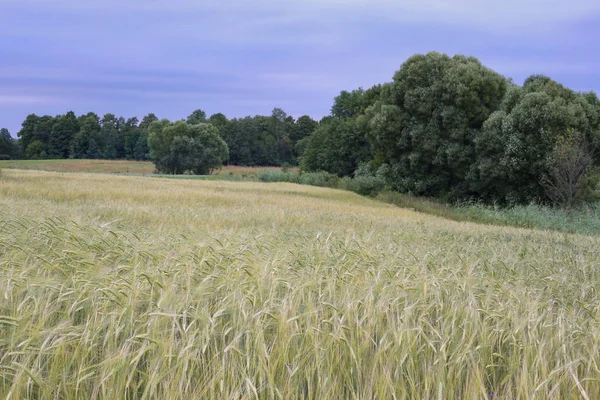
(277, 176)
(324, 179)
(5, 157)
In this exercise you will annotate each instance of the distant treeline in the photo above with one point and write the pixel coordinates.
(252, 141)
(445, 127)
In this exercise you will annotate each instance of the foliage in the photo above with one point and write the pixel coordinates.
(8, 146)
(177, 148)
(35, 150)
(570, 179)
(516, 141)
(197, 117)
(339, 144)
(64, 129)
(428, 119)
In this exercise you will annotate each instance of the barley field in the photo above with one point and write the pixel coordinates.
(120, 287)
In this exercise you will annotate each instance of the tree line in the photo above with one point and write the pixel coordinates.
(251, 141)
(445, 127)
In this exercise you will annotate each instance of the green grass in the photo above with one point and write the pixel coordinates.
(95, 166)
(230, 172)
(118, 287)
(585, 220)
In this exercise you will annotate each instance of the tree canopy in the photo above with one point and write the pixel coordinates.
(180, 147)
(427, 120)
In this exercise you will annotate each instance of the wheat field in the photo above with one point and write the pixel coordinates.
(117, 287)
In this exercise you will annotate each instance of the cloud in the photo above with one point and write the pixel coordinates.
(19, 99)
(497, 15)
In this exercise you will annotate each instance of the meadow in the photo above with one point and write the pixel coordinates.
(121, 167)
(115, 286)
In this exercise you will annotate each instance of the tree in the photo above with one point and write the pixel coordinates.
(197, 117)
(570, 178)
(88, 142)
(112, 136)
(7, 144)
(35, 150)
(140, 152)
(305, 125)
(339, 144)
(517, 140)
(354, 103)
(131, 133)
(180, 147)
(27, 132)
(34, 129)
(426, 123)
(219, 121)
(280, 125)
(63, 131)
(147, 121)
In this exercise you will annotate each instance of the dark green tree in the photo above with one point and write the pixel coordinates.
(36, 150)
(426, 124)
(63, 131)
(197, 117)
(147, 121)
(88, 142)
(131, 134)
(140, 152)
(339, 144)
(36, 129)
(219, 121)
(7, 145)
(516, 141)
(180, 147)
(112, 136)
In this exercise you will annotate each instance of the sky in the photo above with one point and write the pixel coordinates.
(133, 57)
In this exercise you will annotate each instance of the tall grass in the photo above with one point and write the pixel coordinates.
(584, 220)
(125, 287)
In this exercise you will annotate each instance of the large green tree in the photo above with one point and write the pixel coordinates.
(111, 128)
(88, 142)
(517, 140)
(177, 148)
(63, 131)
(339, 144)
(426, 124)
(36, 129)
(8, 147)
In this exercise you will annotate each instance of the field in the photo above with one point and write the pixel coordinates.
(116, 166)
(118, 287)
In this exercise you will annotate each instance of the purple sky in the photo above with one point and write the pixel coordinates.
(132, 57)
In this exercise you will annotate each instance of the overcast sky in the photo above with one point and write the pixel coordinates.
(133, 57)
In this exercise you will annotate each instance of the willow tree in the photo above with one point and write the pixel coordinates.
(426, 123)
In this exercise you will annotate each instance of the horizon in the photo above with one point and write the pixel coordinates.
(241, 58)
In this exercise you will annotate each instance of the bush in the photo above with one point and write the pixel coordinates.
(5, 157)
(323, 179)
(363, 185)
(277, 176)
